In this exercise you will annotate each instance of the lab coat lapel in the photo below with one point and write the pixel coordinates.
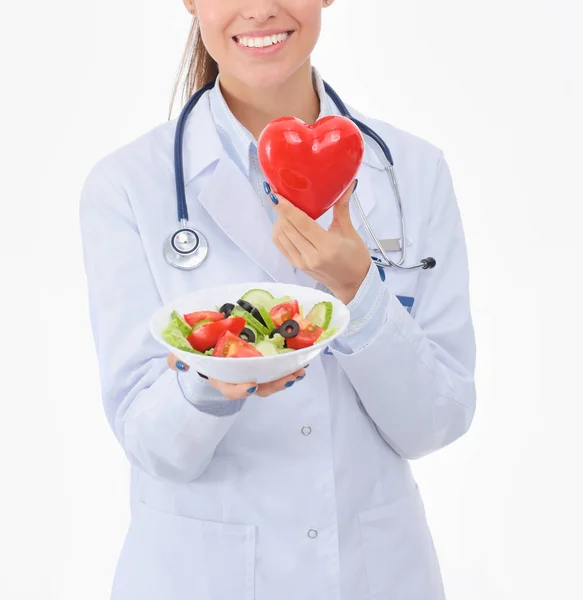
(229, 198)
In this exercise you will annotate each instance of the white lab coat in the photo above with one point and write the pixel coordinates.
(307, 494)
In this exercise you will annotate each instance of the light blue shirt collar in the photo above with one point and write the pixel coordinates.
(235, 136)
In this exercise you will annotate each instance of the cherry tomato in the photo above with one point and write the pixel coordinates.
(203, 315)
(231, 346)
(283, 312)
(307, 336)
(206, 336)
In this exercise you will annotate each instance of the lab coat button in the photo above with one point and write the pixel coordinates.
(306, 430)
(312, 533)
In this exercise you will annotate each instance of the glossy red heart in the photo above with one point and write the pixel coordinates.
(311, 165)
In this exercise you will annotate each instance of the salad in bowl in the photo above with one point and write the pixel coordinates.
(271, 329)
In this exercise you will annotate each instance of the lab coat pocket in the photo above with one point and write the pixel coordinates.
(169, 556)
(398, 552)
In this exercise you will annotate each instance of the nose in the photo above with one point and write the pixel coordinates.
(260, 10)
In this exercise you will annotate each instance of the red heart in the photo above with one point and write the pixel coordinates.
(311, 165)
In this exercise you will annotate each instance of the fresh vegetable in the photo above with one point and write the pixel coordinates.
(307, 336)
(327, 334)
(226, 309)
(279, 341)
(231, 346)
(184, 327)
(284, 311)
(257, 325)
(251, 320)
(207, 336)
(203, 315)
(321, 314)
(248, 335)
(267, 348)
(174, 336)
(289, 329)
(258, 298)
(266, 318)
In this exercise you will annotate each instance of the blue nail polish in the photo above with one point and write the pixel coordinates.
(381, 269)
(355, 185)
(300, 377)
(252, 390)
(274, 198)
(266, 187)
(180, 365)
(289, 384)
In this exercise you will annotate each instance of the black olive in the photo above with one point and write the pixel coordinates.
(289, 329)
(245, 305)
(248, 335)
(226, 309)
(255, 312)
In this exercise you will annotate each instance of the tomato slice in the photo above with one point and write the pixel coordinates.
(206, 336)
(283, 312)
(231, 346)
(307, 336)
(203, 315)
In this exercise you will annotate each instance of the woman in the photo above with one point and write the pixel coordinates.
(291, 489)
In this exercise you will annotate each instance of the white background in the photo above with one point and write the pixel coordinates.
(497, 85)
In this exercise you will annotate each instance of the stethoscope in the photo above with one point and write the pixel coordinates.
(188, 248)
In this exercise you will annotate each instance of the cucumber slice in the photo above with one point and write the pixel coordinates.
(321, 314)
(180, 323)
(268, 320)
(250, 319)
(267, 348)
(258, 298)
(328, 333)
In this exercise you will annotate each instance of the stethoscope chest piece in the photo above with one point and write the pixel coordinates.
(186, 249)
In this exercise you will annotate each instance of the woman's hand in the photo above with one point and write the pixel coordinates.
(237, 391)
(337, 258)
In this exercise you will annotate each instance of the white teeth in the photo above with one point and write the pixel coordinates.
(262, 42)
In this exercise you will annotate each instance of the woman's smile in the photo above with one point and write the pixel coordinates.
(259, 43)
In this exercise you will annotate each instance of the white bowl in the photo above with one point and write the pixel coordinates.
(259, 369)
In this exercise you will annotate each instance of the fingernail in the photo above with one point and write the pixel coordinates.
(289, 384)
(252, 390)
(307, 366)
(203, 376)
(355, 184)
(300, 377)
(180, 365)
(274, 199)
(266, 187)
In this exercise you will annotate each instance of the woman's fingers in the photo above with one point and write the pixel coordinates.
(266, 389)
(176, 364)
(238, 391)
(234, 391)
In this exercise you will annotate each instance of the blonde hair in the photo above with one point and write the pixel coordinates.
(198, 64)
